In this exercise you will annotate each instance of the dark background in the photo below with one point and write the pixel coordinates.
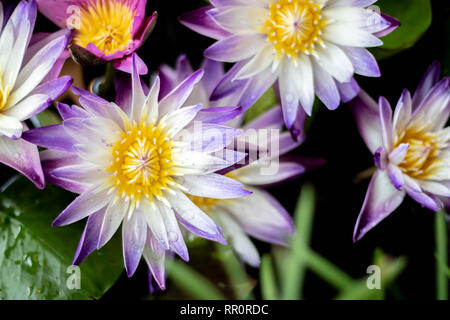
(409, 231)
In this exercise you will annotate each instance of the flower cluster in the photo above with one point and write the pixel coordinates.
(178, 158)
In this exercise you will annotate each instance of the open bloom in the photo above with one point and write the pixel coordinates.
(258, 215)
(309, 46)
(104, 30)
(411, 149)
(27, 85)
(134, 165)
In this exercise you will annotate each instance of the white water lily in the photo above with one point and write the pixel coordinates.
(309, 46)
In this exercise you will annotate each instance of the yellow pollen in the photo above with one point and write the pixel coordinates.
(422, 159)
(294, 26)
(142, 164)
(107, 24)
(4, 93)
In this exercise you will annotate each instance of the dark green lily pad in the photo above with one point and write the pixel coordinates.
(35, 258)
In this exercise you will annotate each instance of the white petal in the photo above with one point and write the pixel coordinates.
(16, 57)
(180, 118)
(36, 69)
(402, 113)
(155, 222)
(240, 20)
(28, 107)
(258, 63)
(240, 242)
(174, 235)
(191, 162)
(435, 188)
(151, 107)
(335, 62)
(6, 43)
(111, 221)
(10, 126)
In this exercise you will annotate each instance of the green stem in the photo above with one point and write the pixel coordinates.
(326, 270)
(236, 273)
(108, 81)
(268, 286)
(295, 267)
(192, 282)
(441, 251)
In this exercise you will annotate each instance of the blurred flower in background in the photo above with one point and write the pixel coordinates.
(133, 165)
(411, 149)
(259, 215)
(105, 31)
(29, 66)
(309, 47)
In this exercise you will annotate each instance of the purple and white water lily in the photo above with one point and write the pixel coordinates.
(133, 165)
(411, 149)
(227, 107)
(309, 46)
(258, 215)
(28, 85)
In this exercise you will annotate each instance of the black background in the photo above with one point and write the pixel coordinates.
(409, 231)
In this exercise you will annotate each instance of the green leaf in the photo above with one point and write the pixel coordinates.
(390, 269)
(34, 257)
(415, 17)
(235, 270)
(441, 253)
(192, 282)
(45, 118)
(326, 270)
(443, 265)
(266, 102)
(295, 264)
(267, 276)
(215, 266)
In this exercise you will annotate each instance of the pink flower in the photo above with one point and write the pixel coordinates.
(105, 31)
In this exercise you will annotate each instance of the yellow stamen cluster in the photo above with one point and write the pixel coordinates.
(4, 93)
(422, 159)
(294, 26)
(143, 164)
(107, 24)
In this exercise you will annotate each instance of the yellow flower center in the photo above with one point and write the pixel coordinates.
(421, 160)
(107, 24)
(143, 164)
(294, 26)
(4, 93)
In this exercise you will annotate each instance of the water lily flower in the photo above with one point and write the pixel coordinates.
(308, 46)
(105, 31)
(411, 149)
(213, 74)
(134, 165)
(258, 215)
(27, 85)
